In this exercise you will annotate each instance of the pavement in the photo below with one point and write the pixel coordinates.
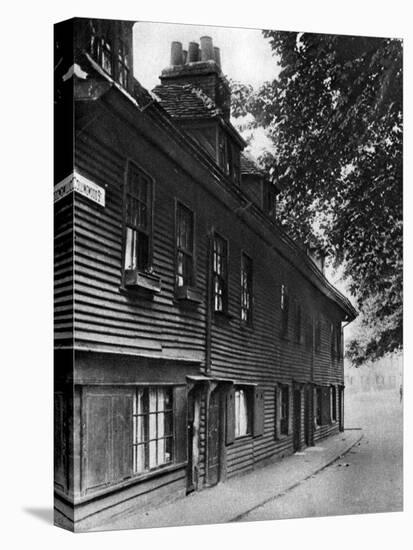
(234, 499)
(368, 479)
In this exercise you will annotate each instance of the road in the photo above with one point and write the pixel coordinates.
(368, 479)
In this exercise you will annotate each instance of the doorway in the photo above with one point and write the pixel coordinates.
(213, 444)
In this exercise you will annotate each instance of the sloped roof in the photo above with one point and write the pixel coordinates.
(186, 101)
(250, 166)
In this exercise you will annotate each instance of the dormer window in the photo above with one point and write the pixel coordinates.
(101, 50)
(123, 64)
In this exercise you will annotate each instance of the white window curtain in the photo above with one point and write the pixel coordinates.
(241, 413)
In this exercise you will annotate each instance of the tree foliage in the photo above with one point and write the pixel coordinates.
(334, 115)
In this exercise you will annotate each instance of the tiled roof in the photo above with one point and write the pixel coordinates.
(186, 101)
(250, 166)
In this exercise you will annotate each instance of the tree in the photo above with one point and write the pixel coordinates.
(334, 115)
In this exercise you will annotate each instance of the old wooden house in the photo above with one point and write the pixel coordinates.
(194, 339)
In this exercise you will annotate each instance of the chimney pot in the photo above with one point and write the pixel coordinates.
(193, 52)
(207, 48)
(176, 53)
(217, 56)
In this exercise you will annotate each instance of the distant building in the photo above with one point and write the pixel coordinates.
(194, 339)
(383, 374)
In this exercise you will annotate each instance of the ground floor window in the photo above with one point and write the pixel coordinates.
(152, 428)
(242, 412)
(318, 406)
(284, 409)
(130, 430)
(333, 403)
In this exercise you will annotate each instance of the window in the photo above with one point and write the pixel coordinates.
(269, 199)
(123, 64)
(220, 274)
(284, 409)
(184, 246)
(297, 323)
(242, 412)
(246, 289)
(335, 330)
(101, 50)
(138, 220)
(285, 306)
(152, 428)
(308, 332)
(317, 335)
(318, 407)
(333, 402)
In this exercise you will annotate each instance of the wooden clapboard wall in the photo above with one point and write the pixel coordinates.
(108, 318)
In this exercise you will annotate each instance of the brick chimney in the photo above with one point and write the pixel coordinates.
(199, 66)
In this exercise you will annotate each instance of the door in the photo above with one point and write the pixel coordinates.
(297, 420)
(213, 438)
(190, 477)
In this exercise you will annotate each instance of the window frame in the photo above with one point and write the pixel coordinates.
(122, 63)
(146, 415)
(246, 290)
(192, 255)
(284, 407)
(318, 409)
(150, 213)
(298, 321)
(285, 310)
(333, 403)
(317, 334)
(222, 278)
(249, 400)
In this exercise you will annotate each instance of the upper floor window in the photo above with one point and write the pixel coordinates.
(297, 322)
(308, 332)
(220, 273)
(123, 64)
(285, 307)
(138, 220)
(101, 49)
(246, 289)
(317, 334)
(184, 246)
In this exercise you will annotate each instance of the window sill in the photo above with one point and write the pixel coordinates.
(281, 437)
(223, 316)
(134, 279)
(242, 437)
(188, 294)
(108, 489)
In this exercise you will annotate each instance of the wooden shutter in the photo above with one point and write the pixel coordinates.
(325, 406)
(97, 444)
(180, 419)
(230, 416)
(258, 424)
(122, 454)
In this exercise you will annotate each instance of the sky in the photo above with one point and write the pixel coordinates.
(245, 53)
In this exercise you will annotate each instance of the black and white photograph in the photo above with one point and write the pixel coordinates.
(228, 274)
(206, 231)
